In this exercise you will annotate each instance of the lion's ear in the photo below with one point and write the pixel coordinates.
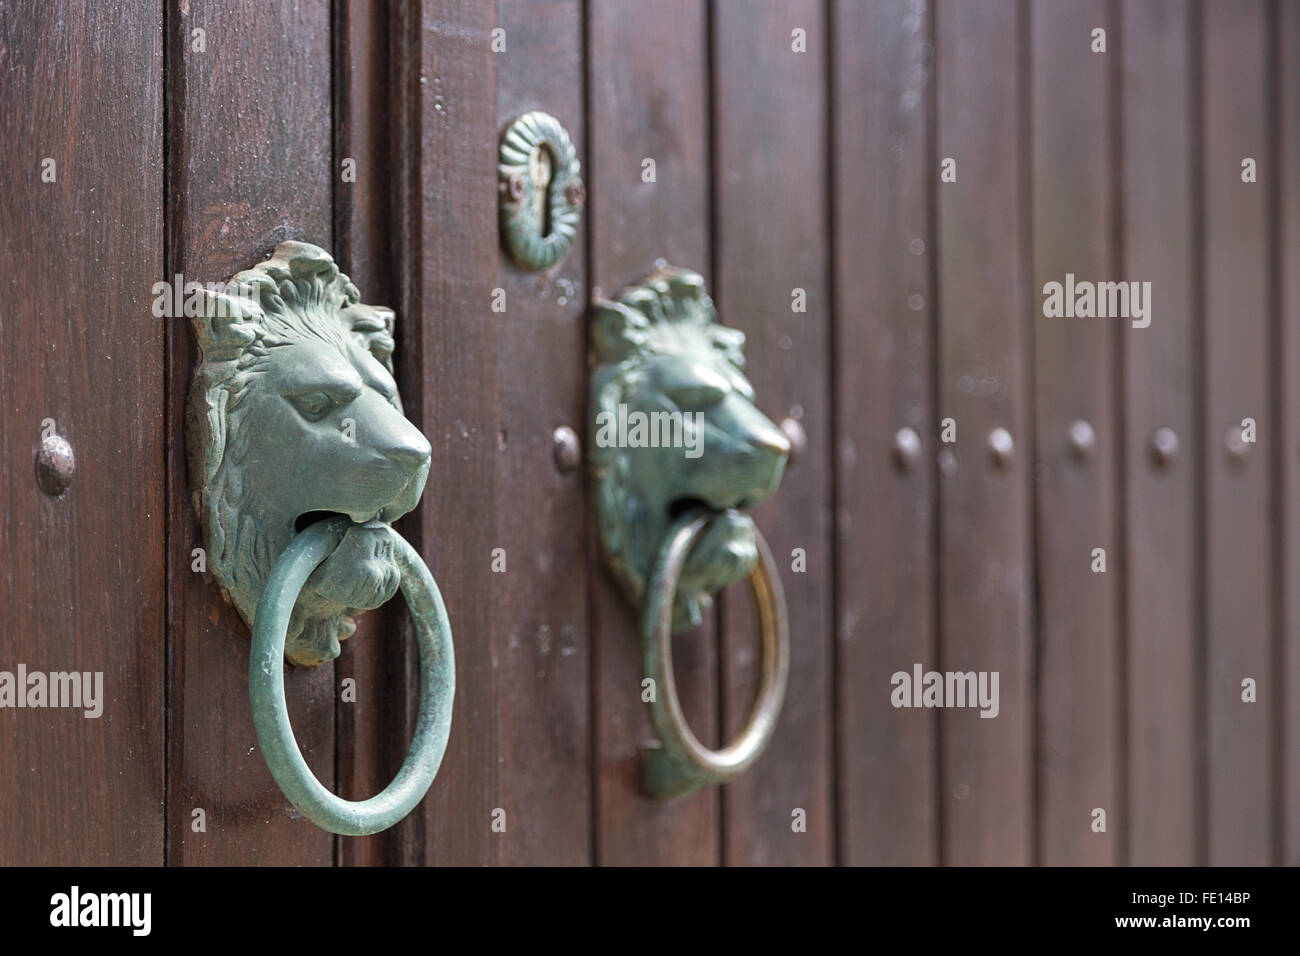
(619, 330)
(373, 325)
(225, 325)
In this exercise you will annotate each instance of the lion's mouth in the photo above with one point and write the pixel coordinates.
(309, 518)
(679, 506)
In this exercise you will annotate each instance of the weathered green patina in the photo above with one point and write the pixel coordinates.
(541, 190)
(301, 458)
(294, 414)
(266, 685)
(661, 352)
(677, 449)
(681, 763)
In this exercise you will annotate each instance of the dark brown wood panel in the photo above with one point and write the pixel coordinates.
(445, 93)
(371, 709)
(1162, 813)
(883, 98)
(83, 582)
(1238, 573)
(1288, 211)
(545, 659)
(985, 554)
(1075, 387)
(647, 96)
(770, 247)
(249, 157)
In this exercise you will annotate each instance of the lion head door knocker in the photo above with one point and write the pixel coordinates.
(301, 458)
(678, 449)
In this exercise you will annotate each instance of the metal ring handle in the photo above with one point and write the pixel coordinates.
(266, 687)
(683, 763)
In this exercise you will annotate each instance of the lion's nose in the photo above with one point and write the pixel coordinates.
(767, 439)
(403, 443)
(411, 449)
(773, 440)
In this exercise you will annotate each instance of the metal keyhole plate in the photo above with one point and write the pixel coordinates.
(541, 190)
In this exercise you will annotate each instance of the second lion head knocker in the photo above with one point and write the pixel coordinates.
(674, 426)
(678, 449)
(294, 415)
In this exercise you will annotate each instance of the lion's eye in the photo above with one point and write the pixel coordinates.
(313, 405)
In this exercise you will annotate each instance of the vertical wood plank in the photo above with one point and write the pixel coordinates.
(82, 587)
(1079, 626)
(249, 166)
(1288, 211)
(1238, 574)
(770, 239)
(647, 86)
(545, 662)
(986, 589)
(446, 97)
(1162, 812)
(370, 745)
(885, 525)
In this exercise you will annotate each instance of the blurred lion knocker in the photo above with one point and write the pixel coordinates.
(294, 416)
(663, 359)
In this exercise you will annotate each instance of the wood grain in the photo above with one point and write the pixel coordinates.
(883, 98)
(1238, 572)
(1165, 801)
(444, 76)
(985, 553)
(249, 156)
(82, 583)
(370, 744)
(769, 239)
(1075, 381)
(1288, 210)
(545, 663)
(647, 94)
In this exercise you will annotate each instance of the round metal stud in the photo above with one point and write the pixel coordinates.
(1002, 446)
(567, 449)
(907, 448)
(1083, 440)
(1235, 443)
(55, 465)
(796, 436)
(1164, 446)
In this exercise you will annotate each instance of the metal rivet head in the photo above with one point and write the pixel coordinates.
(1164, 446)
(516, 185)
(1082, 439)
(576, 193)
(796, 436)
(55, 465)
(907, 448)
(1002, 446)
(567, 449)
(1235, 443)
(947, 462)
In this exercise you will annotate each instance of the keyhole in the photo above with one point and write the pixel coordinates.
(539, 171)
